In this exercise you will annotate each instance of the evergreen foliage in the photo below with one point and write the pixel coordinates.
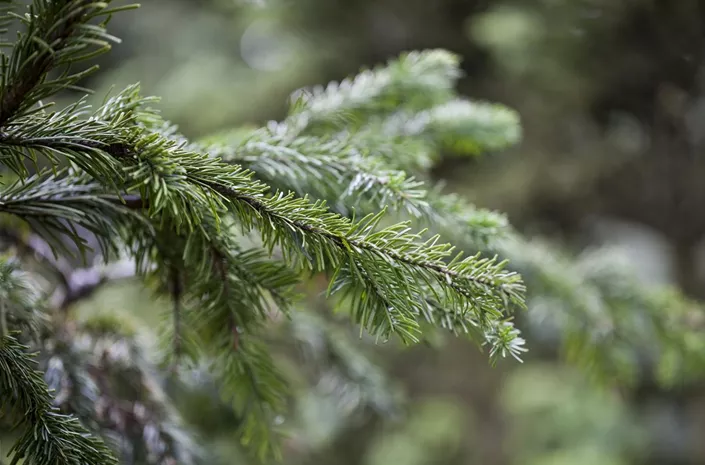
(231, 228)
(121, 178)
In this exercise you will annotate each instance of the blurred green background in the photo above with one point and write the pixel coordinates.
(610, 94)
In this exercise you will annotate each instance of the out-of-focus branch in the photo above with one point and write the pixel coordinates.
(75, 284)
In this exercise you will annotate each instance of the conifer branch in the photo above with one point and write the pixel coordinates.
(186, 185)
(69, 135)
(330, 242)
(332, 169)
(54, 205)
(49, 437)
(362, 145)
(134, 181)
(226, 304)
(337, 171)
(415, 80)
(58, 34)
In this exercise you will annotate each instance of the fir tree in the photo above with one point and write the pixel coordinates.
(229, 229)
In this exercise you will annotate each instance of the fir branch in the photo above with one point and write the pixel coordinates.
(351, 171)
(89, 140)
(332, 169)
(315, 220)
(328, 242)
(226, 304)
(391, 244)
(257, 390)
(184, 186)
(58, 34)
(49, 437)
(189, 198)
(54, 205)
(331, 242)
(227, 296)
(415, 81)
